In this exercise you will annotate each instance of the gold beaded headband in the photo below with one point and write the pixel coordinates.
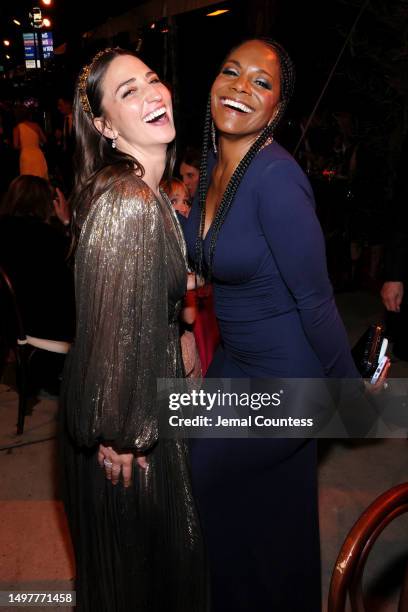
(83, 81)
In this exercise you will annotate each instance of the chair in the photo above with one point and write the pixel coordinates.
(348, 571)
(14, 338)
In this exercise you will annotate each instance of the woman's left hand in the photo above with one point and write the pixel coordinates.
(192, 283)
(116, 463)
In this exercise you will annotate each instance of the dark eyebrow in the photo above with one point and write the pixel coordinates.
(265, 72)
(232, 61)
(124, 83)
(131, 80)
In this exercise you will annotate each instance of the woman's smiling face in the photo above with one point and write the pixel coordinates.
(245, 95)
(137, 106)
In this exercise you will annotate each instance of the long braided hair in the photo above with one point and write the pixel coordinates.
(287, 82)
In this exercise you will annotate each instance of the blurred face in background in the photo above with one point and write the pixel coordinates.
(179, 198)
(190, 176)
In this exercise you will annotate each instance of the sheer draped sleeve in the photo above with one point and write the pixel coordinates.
(287, 216)
(121, 295)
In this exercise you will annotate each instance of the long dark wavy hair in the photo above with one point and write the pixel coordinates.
(97, 165)
(287, 83)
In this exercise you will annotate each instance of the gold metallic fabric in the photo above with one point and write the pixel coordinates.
(137, 549)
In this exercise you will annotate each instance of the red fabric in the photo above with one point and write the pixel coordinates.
(206, 327)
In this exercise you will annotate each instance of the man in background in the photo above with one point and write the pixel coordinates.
(394, 291)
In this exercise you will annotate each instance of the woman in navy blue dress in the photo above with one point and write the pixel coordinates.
(254, 232)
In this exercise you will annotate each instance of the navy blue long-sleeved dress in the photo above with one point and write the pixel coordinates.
(277, 317)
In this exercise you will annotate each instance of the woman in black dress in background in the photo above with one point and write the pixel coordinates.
(132, 518)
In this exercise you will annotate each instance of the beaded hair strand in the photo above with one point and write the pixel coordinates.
(287, 79)
(202, 189)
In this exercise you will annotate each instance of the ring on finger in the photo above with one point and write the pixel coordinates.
(107, 463)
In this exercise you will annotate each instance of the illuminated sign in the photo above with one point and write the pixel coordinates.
(31, 50)
(47, 44)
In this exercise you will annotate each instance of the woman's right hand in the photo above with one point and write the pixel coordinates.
(381, 384)
(116, 463)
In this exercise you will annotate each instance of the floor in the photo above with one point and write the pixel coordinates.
(35, 551)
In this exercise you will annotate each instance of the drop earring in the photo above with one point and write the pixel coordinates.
(214, 138)
(275, 114)
(114, 142)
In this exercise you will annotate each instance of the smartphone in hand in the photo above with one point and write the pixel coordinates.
(380, 368)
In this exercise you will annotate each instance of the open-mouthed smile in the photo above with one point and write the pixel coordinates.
(235, 105)
(157, 116)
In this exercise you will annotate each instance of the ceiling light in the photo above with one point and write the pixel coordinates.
(216, 13)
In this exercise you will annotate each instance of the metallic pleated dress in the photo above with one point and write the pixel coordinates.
(137, 549)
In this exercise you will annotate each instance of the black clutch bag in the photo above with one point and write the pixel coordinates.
(367, 350)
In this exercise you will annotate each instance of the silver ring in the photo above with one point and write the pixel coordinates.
(107, 463)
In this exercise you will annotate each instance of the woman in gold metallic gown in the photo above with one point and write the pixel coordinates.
(127, 491)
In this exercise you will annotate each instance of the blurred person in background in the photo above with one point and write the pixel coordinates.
(33, 252)
(205, 323)
(190, 170)
(28, 137)
(394, 290)
(178, 195)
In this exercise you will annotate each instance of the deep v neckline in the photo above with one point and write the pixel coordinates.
(204, 238)
(268, 141)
